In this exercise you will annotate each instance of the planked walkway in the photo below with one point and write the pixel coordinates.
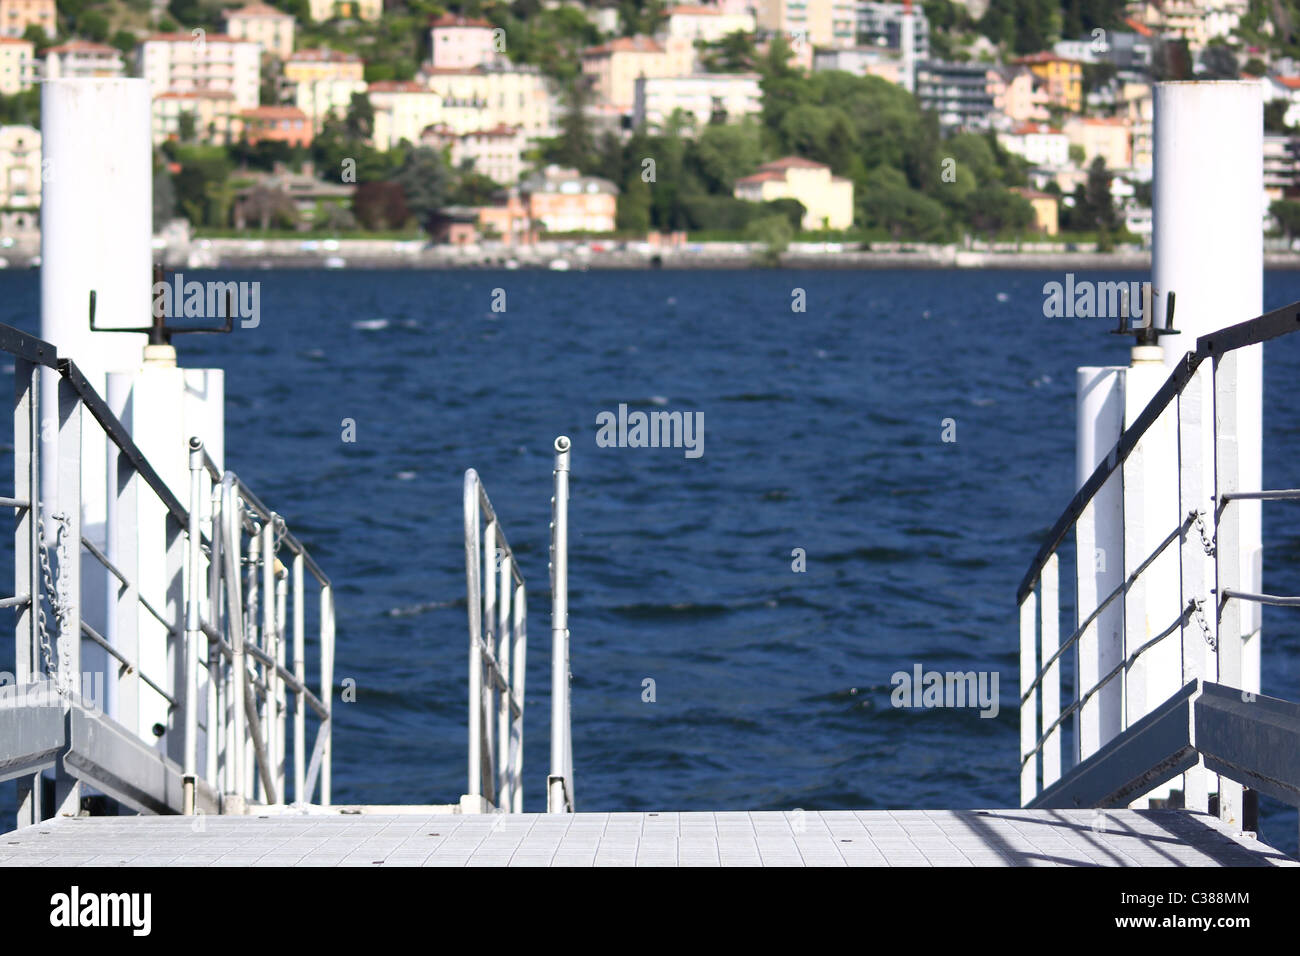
(794, 838)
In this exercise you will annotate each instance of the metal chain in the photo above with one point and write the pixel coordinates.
(1206, 543)
(1199, 613)
(55, 588)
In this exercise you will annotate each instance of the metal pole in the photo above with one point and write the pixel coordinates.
(300, 699)
(519, 661)
(269, 641)
(27, 540)
(504, 637)
(235, 748)
(475, 605)
(193, 633)
(281, 697)
(560, 784)
(327, 688)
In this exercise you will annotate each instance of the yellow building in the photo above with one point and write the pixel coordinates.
(17, 66)
(263, 24)
(322, 10)
(308, 66)
(1063, 78)
(827, 200)
(491, 95)
(614, 67)
(1111, 138)
(17, 15)
(812, 23)
(1046, 209)
(403, 110)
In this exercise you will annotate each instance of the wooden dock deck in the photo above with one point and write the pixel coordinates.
(380, 837)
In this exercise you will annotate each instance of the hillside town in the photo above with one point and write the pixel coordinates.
(762, 120)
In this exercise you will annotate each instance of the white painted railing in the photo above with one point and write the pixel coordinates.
(228, 665)
(498, 639)
(1176, 604)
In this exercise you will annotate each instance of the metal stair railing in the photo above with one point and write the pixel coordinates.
(1204, 607)
(45, 724)
(498, 643)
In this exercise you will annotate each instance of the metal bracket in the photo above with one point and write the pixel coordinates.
(159, 332)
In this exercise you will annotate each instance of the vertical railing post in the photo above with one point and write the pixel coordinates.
(504, 638)
(1050, 630)
(300, 699)
(269, 641)
(489, 642)
(560, 797)
(519, 661)
(1028, 709)
(474, 597)
(193, 632)
(67, 790)
(236, 750)
(281, 698)
(1196, 569)
(27, 540)
(1227, 553)
(327, 691)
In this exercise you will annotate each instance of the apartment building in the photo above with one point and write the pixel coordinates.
(81, 59)
(459, 43)
(613, 67)
(1063, 78)
(494, 94)
(1019, 96)
(180, 63)
(276, 124)
(705, 24)
(17, 15)
(827, 200)
(496, 153)
(403, 110)
(701, 96)
(881, 25)
(1109, 137)
(322, 10)
(1040, 144)
(957, 93)
(818, 23)
(561, 200)
(265, 25)
(20, 167)
(17, 65)
(214, 114)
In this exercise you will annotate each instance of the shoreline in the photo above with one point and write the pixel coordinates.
(376, 254)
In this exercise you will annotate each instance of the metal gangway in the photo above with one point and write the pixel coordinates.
(1178, 607)
(216, 643)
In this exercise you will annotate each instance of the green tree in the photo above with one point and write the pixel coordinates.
(890, 204)
(774, 234)
(425, 182)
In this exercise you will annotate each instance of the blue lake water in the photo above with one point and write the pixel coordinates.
(822, 431)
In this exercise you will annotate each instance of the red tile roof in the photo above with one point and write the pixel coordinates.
(258, 10)
(448, 21)
(81, 46)
(793, 162)
(637, 44)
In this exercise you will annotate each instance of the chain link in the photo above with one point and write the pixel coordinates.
(1198, 611)
(1206, 543)
(55, 590)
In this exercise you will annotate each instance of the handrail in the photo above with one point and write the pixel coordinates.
(559, 785)
(496, 674)
(245, 679)
(1202, 576)
(1254, 331)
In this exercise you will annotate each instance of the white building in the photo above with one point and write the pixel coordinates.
(707, 24)
(403, 111)
(458, 43)
(1039, 143)
(17, 66)
(496, 153)
(701, 95)
(20, 167)
(83, 60)
(272, 28)
(181, 63)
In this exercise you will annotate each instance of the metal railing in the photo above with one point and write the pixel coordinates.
(1174, 600)
(498, 639)
(202, 672)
